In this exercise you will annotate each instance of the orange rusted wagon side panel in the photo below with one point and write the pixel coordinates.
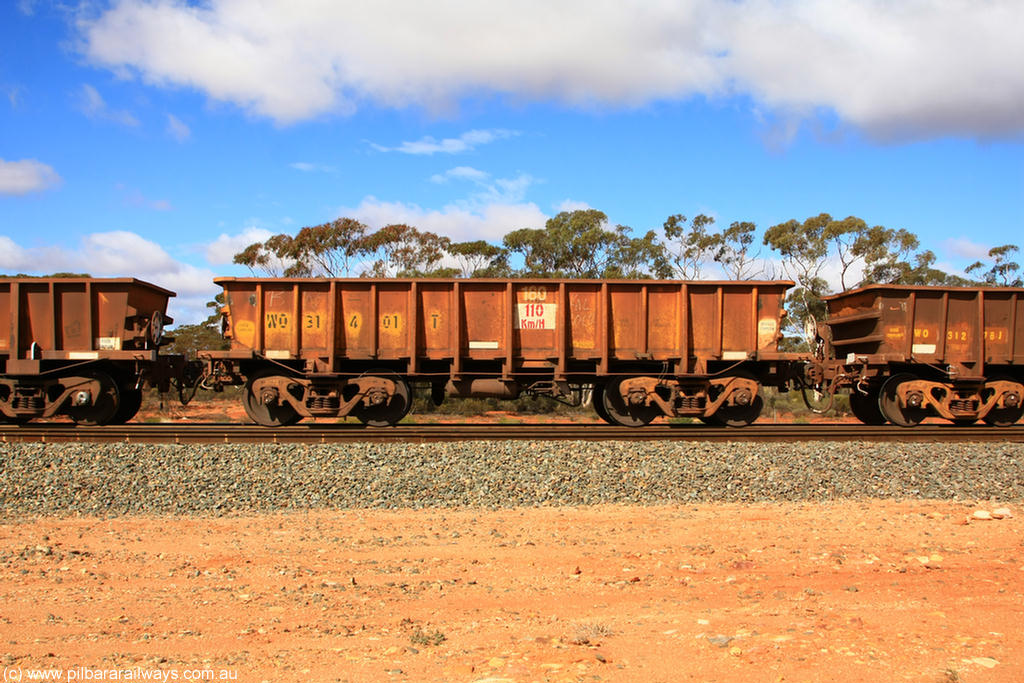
(964, 326)
(78, 318)
(520, 323)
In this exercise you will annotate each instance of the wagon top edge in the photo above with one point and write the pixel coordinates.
(82, 280)
(924, 288)
(529, 281)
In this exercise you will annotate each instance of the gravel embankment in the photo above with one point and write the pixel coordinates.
(95, 479)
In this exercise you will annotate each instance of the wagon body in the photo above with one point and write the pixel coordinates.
(68, 343)
(565, 325)
(78, 318)
(483, 337)
(909, 352)
(968, 328)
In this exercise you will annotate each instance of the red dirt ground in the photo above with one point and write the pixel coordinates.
(850, 591)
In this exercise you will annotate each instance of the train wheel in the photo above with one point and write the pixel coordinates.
(389, 412)
(102, 407)
(865, 408)
(619, 413)
(889, 403)
(267, 413)
(1005, 417)
(131, 401)
(739, 416)
(597, 401)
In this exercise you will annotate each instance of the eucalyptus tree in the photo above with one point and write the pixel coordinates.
(689, 245)
(582, 244)
(1003, 271)
(480, 258)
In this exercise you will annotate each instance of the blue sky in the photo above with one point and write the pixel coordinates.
(155, 138)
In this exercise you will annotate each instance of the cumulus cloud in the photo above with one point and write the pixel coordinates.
(25, 176)
(464, 143)
(223, 249)
(896, 69)
(460, 221)
(92, 104)
(12, 256)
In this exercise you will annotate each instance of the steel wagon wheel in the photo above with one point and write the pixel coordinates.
(277, 413)
(889, 403)
(131, 401)
(1006, 416)
(597, 402)
(865, 407)
(739, 415)
(100, 408)
(390, 411)
(621, 413)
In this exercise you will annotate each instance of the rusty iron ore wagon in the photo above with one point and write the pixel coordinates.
(908, 352)
(84, 347)
(336, 347)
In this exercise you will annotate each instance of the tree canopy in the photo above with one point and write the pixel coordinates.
(582, 244)
(817, 253)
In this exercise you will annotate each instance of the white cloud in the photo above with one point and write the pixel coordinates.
(572, 205)
(92, 104)
(494, 207)
(25, 176)
(223, 249)
(308, 167)
(177, 129)
(962, 247)
(460, 173)
(460, 221)
(914, 68)
(12, 256)
(466, 142)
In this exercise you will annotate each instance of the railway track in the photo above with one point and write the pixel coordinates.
(422, 433)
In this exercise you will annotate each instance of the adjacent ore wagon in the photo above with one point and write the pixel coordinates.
(318, 347)
(908, 352)
(82, 347)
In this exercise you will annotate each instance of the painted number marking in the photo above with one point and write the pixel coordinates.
(391, 321)
(278, 321)
(995, 334)
(536, 316)
(312, 321)
(535, 293)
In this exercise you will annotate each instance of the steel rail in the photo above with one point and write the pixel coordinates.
(425, 433)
